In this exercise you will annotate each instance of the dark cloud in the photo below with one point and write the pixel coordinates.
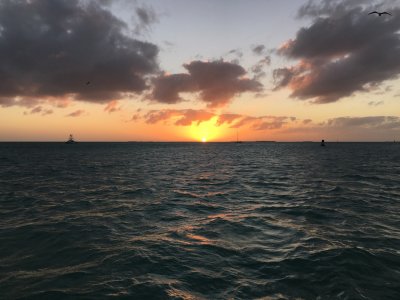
(307, 121)
(258, 49)
(217, 82)
(343, 51)
(282, 77)
(316, 9)
(76, 113)
(167, 87)
(51, 48)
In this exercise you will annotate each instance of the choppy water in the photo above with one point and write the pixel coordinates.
(199, 221)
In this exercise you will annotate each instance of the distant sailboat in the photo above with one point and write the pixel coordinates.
(70, 140)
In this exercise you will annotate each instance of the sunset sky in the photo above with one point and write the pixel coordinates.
(186, 70)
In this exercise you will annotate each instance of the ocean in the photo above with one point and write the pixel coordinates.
(199, 221)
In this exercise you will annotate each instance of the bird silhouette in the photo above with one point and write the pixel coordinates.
(87, 83)
(380, 13)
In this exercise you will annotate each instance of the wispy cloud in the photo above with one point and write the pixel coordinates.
(112, 106)
(236, 52)
(369, 122)
(146, 17)
(258, 68)
(375, 103)
(263, 122)
(39, 110)
(76, 113)
(187, 117)
(363, 128)
(183, 117)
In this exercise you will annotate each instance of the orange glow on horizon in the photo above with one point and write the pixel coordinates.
(205, 131)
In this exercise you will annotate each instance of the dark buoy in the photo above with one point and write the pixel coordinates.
(323, 143)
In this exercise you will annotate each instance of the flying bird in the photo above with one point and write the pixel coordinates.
(380, 13)
(87, 83)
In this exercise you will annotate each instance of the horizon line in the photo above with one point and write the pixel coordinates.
(200, 142)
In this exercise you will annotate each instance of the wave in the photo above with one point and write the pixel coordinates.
(188, 221)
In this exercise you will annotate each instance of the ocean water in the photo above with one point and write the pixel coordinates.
(199, 221)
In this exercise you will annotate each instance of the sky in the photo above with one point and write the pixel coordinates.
(186, 70)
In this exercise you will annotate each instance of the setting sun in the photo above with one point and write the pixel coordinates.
(205, 131)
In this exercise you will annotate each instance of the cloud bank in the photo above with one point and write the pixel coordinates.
(51, 48)
(343, 51)
(216, 82)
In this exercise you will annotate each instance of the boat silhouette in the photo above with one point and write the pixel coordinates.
(70, 140)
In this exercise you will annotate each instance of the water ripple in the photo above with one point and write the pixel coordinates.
(199, 221)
